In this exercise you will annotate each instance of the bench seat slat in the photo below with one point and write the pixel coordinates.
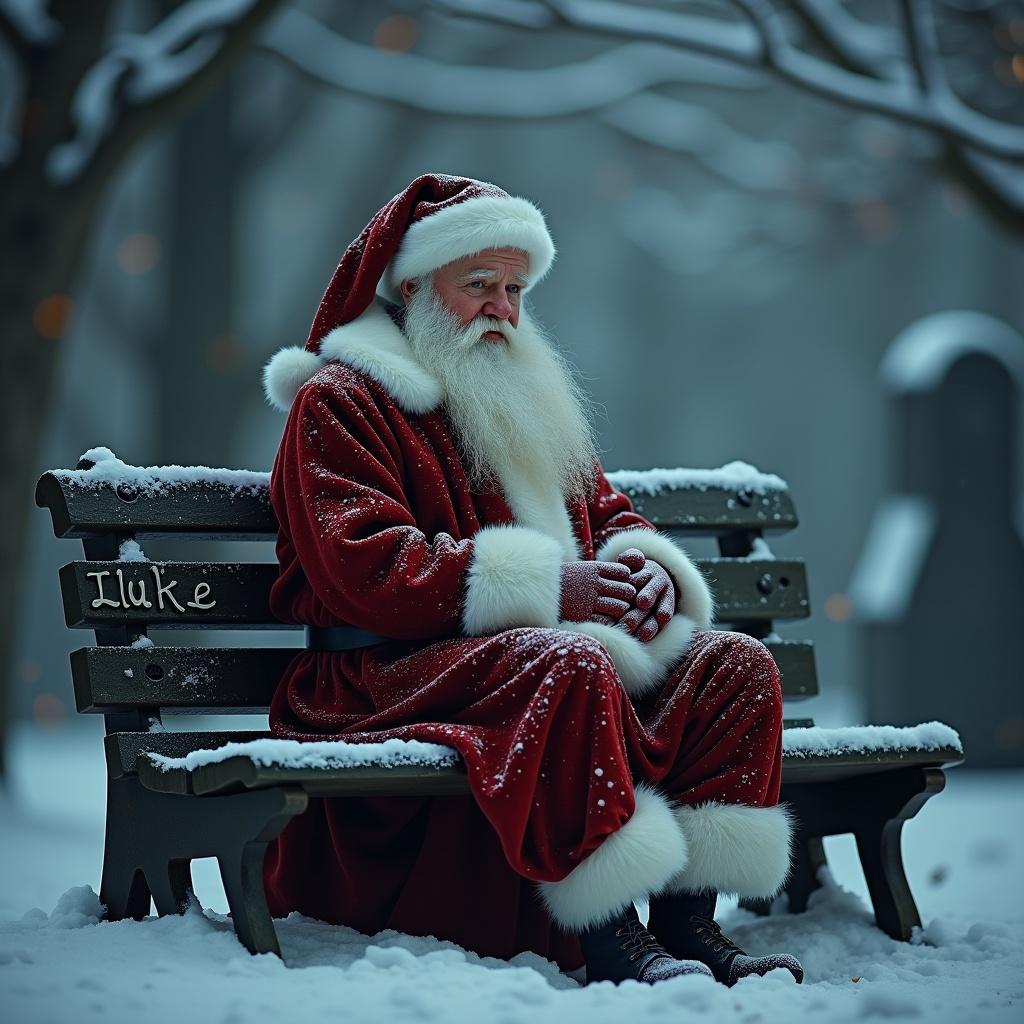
(236, 595)
(835, 767)
(236, 774)
(209, 510)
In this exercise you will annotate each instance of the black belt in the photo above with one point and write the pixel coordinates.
(339, 638)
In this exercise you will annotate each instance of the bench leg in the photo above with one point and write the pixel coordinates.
(242, 875)
(152, 838)
(171, 886)
(123, 891)
(808, 857)
(881, 856)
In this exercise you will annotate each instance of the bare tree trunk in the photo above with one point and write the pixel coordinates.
(44, 228)
(42, 235)
(199, 356)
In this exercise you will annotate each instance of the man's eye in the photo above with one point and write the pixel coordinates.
(514, 289)
(476, 284)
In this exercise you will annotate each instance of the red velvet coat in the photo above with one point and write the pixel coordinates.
(557, 723)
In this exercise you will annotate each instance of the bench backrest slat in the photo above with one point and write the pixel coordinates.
(208, 510)
(235, 595)
(198, 680)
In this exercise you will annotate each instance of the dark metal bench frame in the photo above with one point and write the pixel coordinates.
(158, 821)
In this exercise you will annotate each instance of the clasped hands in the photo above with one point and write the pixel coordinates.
(634, 592)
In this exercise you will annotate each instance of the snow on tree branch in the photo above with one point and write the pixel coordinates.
(873, 50)
(424, 84)
(26, 23)
(140, 69)
(923, 46)
(1003, 178)
(763, 41)
(694, 130)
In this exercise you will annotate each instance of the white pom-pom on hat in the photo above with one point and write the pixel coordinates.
(285, 372)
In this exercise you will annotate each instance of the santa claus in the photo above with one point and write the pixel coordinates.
(437, 485)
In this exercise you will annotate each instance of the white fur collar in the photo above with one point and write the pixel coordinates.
(372, 343)
(376, 345)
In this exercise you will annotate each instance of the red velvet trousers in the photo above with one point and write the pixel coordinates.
(552, 747)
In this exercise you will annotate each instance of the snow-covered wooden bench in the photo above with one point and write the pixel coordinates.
(174, 796)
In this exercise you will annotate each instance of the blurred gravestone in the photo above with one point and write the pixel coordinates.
(940, 581)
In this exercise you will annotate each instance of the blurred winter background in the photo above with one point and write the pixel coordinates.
(791, 232)
(753, 201)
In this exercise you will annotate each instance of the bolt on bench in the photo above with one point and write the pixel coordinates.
(162, 814)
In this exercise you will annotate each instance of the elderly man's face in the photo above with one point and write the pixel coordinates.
(489, 284)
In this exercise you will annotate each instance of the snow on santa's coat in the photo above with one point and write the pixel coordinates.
(380, 529)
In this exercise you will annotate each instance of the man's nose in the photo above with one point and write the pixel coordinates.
(500, 308)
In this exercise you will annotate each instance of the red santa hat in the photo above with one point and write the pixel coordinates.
(436, 220)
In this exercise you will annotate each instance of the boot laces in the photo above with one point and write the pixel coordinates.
(711, 935)
(638, 940)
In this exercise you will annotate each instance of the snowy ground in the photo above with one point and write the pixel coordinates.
(58, 963)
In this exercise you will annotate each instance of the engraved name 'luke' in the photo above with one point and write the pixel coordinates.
(132, 598)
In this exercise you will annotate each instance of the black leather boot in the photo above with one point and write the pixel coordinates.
(685, 924)
(624, 949)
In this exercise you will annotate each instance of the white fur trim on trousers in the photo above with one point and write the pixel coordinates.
(735, 849)
(629, 865)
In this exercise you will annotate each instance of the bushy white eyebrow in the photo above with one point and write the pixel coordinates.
(485, 274)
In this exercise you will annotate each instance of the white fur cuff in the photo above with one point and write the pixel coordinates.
(629, 865)
(641, 667)
(735, 849)
(694, 598)
(515, 579)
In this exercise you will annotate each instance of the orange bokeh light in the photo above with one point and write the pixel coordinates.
(838, 608)
(49, 710)
(53, 315)
(396, 34)
(225, 353)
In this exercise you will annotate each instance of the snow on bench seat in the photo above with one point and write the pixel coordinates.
(867, 739)
(796, 743)
(271, 753)
(734, 476)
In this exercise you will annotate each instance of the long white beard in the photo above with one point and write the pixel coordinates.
(515, 407)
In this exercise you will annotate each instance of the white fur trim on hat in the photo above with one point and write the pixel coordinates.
(466, 228)
(694, 598)
(515, 579)
(631, 864)
(735, 849)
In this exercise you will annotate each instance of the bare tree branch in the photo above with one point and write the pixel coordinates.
(923, 47)
(423, 84)
(144, 79)
(763, 43)
(996, 184)
(865, 49)
(936, 111)
(775, 168)
(25, 24)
